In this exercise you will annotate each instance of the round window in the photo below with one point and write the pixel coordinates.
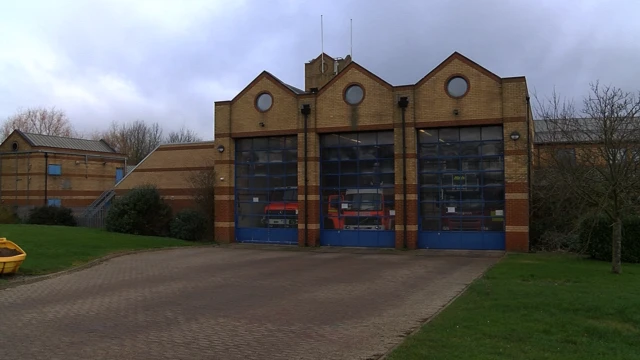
(264, 102)
(354, 94)
(457, 86)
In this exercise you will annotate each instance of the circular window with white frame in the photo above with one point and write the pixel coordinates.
(264, 101)
(457, 86)
(354, 94)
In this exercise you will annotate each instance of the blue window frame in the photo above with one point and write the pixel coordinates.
(266, 189)
(55, 169)
(54, 202)
(357, 189)
(119, 174)
(461, 183)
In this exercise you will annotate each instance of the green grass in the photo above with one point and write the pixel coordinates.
(55, 248)
(537, 306)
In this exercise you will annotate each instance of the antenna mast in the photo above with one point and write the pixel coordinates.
(322, 43)
(351, 30)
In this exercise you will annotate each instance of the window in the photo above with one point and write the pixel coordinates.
(54, 202)
(264, 102)
(566, 156)
(457, 87)
(354, 94)
(357, 179)
(55, 169)
(461, 177)
(267, 182)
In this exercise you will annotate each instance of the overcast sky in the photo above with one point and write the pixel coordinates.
(167, 61)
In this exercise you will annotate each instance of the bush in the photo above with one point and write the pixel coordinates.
(188, 225)
(8, 216)
(51, 215)
(142, 211)
(596, 233)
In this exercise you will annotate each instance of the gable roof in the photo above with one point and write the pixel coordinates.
(457, 56)
(358, 67)
(61, 142)
(265, 74)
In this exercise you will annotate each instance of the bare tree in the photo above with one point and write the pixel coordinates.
(39, 120)
(136, 139)
(203, 184)
(183, 135)
(596, 153)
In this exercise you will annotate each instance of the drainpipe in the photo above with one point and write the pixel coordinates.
(529, 166)
(15, 196)
(46, 175)
(28, 177)
(1, 178)
(306, 110)
(403, 103)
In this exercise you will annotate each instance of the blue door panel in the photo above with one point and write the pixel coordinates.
(119, 174)
(355, 238)
(461, 240)
(267, 236)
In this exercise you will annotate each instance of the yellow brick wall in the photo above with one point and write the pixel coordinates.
(281, 116)
(490, 100)
(376, 107)
(81, 181)
(483, 100)
(171, 166)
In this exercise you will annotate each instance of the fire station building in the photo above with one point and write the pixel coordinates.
(352, 160)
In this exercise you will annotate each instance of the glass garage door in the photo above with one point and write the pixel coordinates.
(266, 193)
(461, 188)
(357, 189)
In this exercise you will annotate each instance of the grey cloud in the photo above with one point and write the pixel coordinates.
(178, 75)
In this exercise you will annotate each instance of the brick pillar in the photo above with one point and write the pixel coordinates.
(312, 188)
(224, 223)
(313, 225)
(406, 236)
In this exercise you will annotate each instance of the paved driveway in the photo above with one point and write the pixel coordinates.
(226, 303)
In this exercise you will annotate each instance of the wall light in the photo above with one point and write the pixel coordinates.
(515, 136)
(221, 149)
(221, 179)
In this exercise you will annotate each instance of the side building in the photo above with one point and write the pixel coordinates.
(38, 170)
(176, 170)
(352, 160)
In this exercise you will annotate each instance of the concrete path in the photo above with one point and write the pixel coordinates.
(226, 303)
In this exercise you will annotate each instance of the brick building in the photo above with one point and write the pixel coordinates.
(352, 160)
(170, 168)
(39, 169)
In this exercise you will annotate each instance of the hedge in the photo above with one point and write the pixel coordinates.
(51, 215)
(597, 234)
(142, 211)
(188, 225)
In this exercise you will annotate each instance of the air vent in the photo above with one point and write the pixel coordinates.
(14, 146)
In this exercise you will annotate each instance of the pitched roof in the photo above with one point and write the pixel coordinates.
(580, 130)
(60, 142)
(290, 87)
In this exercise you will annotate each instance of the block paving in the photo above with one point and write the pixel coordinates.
(229, 303)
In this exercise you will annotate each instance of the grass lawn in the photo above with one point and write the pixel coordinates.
(54, 248)
(537, 306)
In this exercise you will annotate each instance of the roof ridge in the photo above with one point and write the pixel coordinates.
(60, 137)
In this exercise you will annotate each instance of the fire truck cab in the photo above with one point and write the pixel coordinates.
(282, 208)
(360, 209)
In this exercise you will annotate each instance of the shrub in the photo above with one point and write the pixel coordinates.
(188, 225)
(142, 211)
(51, 215)
(8, 216)
(596, 233)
